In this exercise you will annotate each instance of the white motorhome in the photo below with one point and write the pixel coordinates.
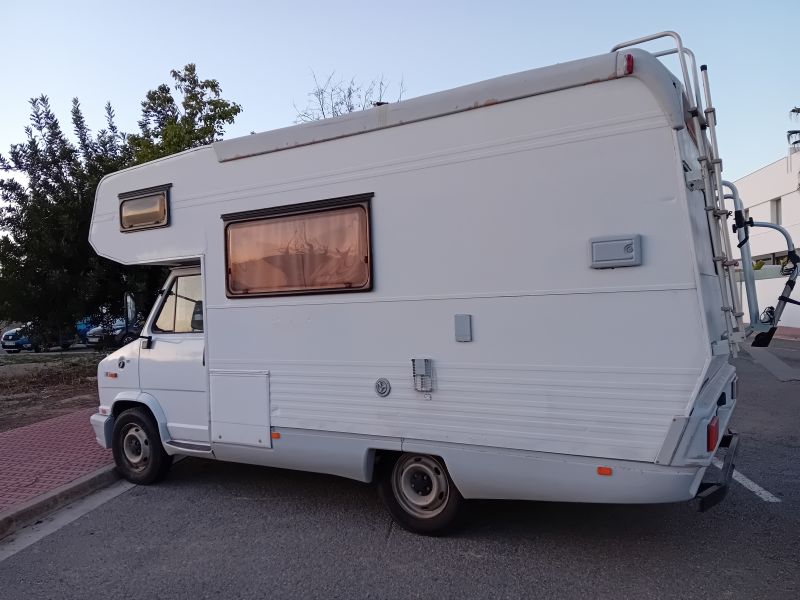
(517, 289)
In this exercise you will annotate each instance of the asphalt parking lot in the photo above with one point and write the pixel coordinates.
(216, 530)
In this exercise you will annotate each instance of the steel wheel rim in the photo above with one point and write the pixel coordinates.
(420, 486)
(136, 447)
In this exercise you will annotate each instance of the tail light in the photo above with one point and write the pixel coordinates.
(712, 435)
(628, 64)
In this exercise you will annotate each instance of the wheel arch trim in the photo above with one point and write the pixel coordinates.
(128, 398)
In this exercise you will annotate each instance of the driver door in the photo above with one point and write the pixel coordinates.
(173, 368)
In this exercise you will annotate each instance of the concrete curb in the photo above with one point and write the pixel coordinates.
(18, 516)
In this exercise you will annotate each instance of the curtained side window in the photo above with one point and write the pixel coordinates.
(300, 252)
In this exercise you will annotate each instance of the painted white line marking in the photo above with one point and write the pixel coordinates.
(749, 484)
(27, 536)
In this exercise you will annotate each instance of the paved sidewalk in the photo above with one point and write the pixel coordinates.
(41, 457)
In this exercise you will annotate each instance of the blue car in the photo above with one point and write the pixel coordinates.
(14, 341)
(82, 328)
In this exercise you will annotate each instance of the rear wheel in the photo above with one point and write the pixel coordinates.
(137, 448)
(419, 494)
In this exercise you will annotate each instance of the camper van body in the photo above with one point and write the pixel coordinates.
(537, 304)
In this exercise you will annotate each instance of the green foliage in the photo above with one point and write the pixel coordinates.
(46, 222)
(167, 128)
(49, 274)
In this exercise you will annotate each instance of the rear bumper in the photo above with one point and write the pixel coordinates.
(103, 426)
(711, 493)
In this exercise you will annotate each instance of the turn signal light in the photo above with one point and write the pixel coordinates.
(111, 374)
(712, 435)
(276, 435)
(605, 471)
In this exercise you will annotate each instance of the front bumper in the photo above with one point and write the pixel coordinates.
(103, 426)
(711, 493)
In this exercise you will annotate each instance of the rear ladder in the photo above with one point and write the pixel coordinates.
(713, 186)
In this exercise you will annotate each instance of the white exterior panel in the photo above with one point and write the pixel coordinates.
(487, 212)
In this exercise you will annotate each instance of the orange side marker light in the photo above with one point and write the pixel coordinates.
(111, 374)
(605, 471)
(276, 435)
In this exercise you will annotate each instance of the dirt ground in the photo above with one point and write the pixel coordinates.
(34, 387)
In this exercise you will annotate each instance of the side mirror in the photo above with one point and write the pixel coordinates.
(197, 316)
(130, 309)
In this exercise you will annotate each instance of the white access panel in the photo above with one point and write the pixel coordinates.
(240, 407)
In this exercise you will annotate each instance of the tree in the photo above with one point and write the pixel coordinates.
(44, 254)
(793, 135)
(167, 127)
(49, 274)
(332, 97)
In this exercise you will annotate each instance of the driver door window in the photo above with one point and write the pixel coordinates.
(182, 310)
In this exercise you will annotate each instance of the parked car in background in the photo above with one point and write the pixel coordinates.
(83, 327)
(16, 340)
(115, 335)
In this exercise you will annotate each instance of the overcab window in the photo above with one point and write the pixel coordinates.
(144, 209)
(300, 249)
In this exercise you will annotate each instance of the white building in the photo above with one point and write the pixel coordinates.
(772, 194)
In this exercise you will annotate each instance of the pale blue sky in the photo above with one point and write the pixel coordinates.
(263, 53)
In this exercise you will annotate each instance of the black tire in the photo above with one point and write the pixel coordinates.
(129, 337)
(66, 345)
(427, 478)
(13, 351)
(137, 448)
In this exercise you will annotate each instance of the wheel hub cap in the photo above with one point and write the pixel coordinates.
(420, 485)
(136, 447)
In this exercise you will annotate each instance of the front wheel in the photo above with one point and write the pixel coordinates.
(419, 494)
(129, 337)
(137, 448)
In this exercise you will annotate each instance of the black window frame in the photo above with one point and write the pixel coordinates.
(314, 207)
